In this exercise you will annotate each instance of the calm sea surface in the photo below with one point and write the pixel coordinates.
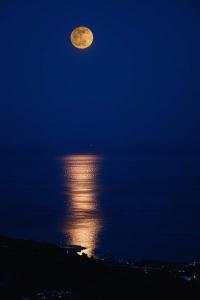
(125, 206)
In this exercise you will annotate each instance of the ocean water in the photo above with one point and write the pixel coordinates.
(130, 205)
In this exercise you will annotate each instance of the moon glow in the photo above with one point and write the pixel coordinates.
(81, 37)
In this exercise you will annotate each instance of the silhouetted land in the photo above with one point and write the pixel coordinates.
(27, 266)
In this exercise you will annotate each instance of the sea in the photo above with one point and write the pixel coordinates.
(134, 204)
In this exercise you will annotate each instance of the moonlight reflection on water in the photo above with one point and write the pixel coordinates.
(83, 220)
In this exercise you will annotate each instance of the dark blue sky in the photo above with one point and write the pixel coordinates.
(139, 82)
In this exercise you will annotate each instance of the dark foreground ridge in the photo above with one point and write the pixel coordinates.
(30, 270)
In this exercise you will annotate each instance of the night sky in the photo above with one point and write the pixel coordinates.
(139, 82)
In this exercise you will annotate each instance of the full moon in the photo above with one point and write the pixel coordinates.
(82, 37)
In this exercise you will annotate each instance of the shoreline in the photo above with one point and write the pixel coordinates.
(27, 267)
